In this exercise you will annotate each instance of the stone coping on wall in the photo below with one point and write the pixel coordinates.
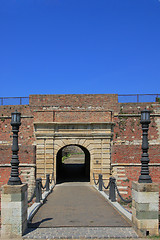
(135, 115)
(74, 135)
(75, 109)
(136, 142)
(22, 116)
(133, 164)
(76, 123)
(20, 165)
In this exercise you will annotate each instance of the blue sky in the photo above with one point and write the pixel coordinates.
(79, 46)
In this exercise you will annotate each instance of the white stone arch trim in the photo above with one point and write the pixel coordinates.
(62, 143)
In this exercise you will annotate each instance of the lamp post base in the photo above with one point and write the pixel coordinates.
(14, 181)
(145, 179)
(14, 211)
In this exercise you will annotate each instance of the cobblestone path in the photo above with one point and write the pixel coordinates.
(77, 210)
(81, 233)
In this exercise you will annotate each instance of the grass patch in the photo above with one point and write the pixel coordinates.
(78, 153)
(153, 237)
(64, 157)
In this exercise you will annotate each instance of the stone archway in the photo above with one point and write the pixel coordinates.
(70, 169)
(95, 137)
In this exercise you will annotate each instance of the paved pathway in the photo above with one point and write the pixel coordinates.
(77, 210)
(77, 205)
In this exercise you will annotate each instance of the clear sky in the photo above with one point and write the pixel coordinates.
(79, 46)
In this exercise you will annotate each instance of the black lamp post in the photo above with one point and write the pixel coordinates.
(15, 123)
(145, 121)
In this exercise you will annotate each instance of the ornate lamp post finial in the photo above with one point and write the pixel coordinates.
(15, 123)
(145, 121)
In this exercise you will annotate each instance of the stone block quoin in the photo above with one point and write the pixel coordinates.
(145, 209)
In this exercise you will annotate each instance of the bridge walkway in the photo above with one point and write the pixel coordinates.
(75, 209)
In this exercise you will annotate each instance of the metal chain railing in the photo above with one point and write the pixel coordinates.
(112, 186)
(39, 186)
(42, 187)
(107, 185)
(124, 200)
(96, 183)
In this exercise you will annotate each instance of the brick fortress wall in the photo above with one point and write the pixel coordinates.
(126, 147)
(127, 141)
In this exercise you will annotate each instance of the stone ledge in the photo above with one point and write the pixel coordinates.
(20, 165)
(145, 187)
(141, 215)
(141, 207)
(146, 223)
(13, 189)
(145, 197)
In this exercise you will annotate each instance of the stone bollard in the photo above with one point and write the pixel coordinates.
(145, 208)
(14, 203)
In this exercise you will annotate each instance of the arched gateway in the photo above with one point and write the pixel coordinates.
(76, 167)
(95, 140)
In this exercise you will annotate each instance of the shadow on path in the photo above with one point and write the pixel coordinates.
(33, 226)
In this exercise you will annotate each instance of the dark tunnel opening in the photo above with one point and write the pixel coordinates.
(73, 164)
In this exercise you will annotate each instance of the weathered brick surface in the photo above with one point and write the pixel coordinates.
(132, 153)
(132, 173)
(80, 101)
(43, 116)
(83, 116)
(126, 150)
(72, 116)
(128, 133)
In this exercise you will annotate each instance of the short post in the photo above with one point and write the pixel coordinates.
(145, 194)
(47, 182)
(100, 182)
(112, 190)
(38, 197)
(40, 188)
